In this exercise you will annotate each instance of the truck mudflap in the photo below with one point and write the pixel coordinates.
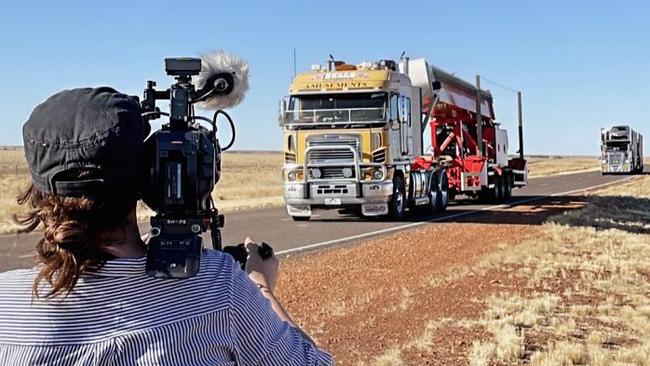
(519, 168)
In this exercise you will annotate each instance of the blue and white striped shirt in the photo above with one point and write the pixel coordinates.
(121, 316)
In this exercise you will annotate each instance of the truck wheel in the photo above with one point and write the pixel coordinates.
(485, 195)
(442, 196)
(507, 187)
(493, 194)
(501, 188)
(300, 218)
(397, 203)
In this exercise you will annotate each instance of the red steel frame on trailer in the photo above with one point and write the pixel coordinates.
(460, 126)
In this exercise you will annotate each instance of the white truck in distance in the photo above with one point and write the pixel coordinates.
(621, 150)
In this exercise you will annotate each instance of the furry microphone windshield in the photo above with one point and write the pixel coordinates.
(213, 63)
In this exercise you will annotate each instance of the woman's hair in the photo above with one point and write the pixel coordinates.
(72, 226)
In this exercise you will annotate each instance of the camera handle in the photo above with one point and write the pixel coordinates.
(240, 254)
(216, 223)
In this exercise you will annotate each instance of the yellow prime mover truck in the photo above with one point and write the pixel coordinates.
(353, 140)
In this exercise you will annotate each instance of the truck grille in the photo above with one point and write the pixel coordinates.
(615, 158)
(330, 156)
(334, 173)
(333, 155)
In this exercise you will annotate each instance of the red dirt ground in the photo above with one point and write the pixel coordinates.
(360, 301)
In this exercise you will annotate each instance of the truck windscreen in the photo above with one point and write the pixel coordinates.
(348, 108)
(617, 145)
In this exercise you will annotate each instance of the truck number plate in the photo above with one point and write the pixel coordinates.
(332, 201)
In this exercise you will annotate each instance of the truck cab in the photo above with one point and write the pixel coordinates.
(621, 150)
(350, 134)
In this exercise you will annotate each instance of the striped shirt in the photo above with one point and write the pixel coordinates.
(120, 316)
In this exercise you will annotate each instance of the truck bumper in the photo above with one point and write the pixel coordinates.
(616, 168)
(373, 197)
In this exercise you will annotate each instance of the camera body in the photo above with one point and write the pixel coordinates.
(182, 166)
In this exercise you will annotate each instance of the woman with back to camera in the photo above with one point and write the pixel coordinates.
(89, 300)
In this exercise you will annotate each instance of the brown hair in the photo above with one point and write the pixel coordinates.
(72, 226)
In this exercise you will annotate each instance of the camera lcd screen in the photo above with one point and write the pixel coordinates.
(174, 182)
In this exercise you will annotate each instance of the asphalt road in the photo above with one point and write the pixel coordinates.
(327, 228)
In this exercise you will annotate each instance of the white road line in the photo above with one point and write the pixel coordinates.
(442, 218)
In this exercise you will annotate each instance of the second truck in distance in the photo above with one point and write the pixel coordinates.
(621, 150)
(353, 139)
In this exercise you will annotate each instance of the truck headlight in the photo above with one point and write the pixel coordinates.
(315, 173)
(347, 172)
(291, 176)
(378, 174)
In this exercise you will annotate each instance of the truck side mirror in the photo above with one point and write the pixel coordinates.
(436, 85)
(282, 111)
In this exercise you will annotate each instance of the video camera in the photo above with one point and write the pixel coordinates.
(183, 160)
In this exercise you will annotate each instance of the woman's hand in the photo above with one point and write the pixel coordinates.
(264, 272)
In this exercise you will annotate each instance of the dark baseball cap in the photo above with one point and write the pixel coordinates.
(96, 130)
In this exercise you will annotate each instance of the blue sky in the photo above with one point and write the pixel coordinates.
(580, 64)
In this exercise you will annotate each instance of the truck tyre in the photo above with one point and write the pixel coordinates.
(494, 194)
(300, 218)
(442, 196)
(507, 187)
(397, 203)
(501, 184)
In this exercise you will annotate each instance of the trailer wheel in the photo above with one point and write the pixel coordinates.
(493, 194)
(501, 179)
(442, 196)
(397, 203)
(507, 187)
(300, 218)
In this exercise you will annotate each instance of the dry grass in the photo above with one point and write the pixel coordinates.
(249, 180)
(539, 167)
(586, 300)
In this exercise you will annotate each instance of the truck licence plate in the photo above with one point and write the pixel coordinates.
(332, 201)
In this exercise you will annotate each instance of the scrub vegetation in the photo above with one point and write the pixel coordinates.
(564, 281)
(544, 166)
(249, 180)
(585, 299)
